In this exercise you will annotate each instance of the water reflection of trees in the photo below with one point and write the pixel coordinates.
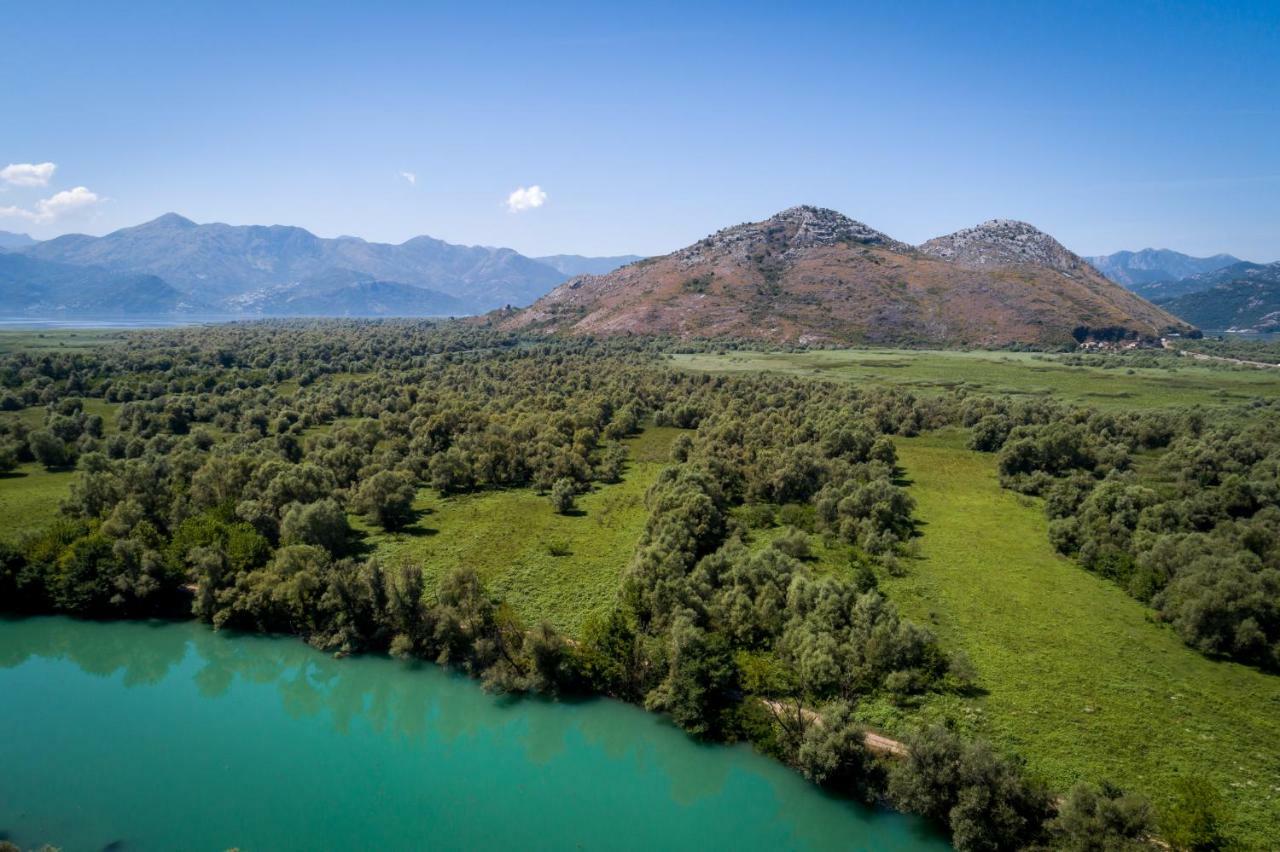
(420, 704)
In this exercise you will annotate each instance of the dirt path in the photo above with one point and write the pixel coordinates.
(1200, 356)
(877, 744)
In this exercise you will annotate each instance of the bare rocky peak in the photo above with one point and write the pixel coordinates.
(1003, 242)
(794, 228)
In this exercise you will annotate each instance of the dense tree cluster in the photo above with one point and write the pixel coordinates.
(1195, 533)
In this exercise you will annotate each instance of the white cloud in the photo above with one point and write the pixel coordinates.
(56, 205)
(28, 174)
(411, 177)
(526, 199)
(67, 201)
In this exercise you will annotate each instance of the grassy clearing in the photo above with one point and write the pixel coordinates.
(30, 495)
(558, 568)
(1015, 373)
(34, 416)
(1078, 678)
(29, 498)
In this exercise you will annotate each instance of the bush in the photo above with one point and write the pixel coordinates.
(563, 496)
(1196, 821)
(1101, 818)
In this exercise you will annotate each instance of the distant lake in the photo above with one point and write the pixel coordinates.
(168, 736)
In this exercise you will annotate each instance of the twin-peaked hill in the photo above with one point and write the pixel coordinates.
(810, 275)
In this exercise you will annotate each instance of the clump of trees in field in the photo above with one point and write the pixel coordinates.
(1196, 533)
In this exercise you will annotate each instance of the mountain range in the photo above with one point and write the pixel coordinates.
(10, 241)
(807, 274)
(811, 275)
(1242, 297)
(280, 270)
(40, 288)
(576, 264)
(1149, 272)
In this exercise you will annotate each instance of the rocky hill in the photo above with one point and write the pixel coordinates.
(1003, 243)
(812, 275)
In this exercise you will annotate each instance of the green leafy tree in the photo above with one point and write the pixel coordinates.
(386, 499)
(49, 450)
(321, 523)
(831, 750)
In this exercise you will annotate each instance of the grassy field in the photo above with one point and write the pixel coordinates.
(557, 568)
(1078, 678)
(1016, 373)
(29, 498)
(34, 416)
(55, 339)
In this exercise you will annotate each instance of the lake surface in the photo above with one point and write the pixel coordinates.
(168, 736)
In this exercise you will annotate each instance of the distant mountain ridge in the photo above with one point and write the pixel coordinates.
(10, 241)
(576, 264)
(30, 287)
(1149, 272)
(812, 275)
(265, 270)
(1242, 297)
(225, 261)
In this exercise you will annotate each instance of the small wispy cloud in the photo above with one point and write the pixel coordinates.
(526, 199)
(28, 174)
(410, 177)
(55, 206)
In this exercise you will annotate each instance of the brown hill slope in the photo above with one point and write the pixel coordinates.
(810, 275)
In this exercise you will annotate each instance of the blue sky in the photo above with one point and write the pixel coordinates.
(646, 126)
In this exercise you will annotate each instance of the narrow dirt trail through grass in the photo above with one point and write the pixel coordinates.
(1078, 678)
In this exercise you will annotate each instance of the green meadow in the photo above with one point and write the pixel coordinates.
(29, 498)
(1074, 674)
(556, 568)
(56, 339)
(1015, 373)
(30, 495)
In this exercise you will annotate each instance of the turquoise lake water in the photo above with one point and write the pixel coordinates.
(168, 736)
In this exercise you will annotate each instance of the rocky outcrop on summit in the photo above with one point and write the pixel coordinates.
(790, 231)
(1004, 242)
(812, 276)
